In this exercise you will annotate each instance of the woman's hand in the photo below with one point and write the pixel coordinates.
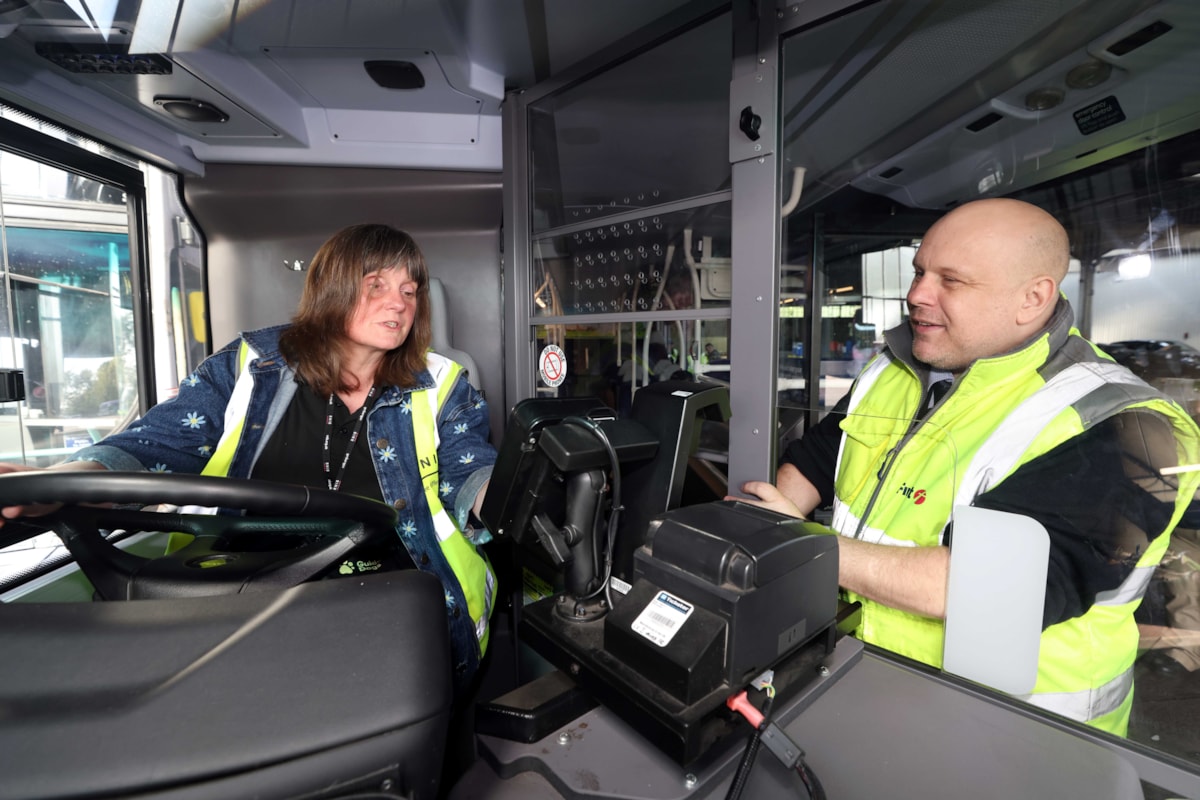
(41, 509)
(768, 497)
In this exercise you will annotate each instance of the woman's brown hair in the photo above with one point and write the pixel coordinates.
(331, 291)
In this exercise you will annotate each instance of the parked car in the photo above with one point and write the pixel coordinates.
(1152, 359)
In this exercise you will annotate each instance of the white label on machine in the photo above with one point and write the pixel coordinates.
(662, 619)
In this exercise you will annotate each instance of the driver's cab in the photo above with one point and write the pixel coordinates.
(689, 223)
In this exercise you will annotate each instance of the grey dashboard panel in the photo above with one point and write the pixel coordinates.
(869, 728)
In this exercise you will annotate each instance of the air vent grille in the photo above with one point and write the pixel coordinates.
(986, 121)
(1139, 37)
(102, 59)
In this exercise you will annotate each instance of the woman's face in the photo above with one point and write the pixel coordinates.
(384, 313)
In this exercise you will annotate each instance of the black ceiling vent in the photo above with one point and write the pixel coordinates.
(191, 110)
(395, 74)
(102, 59)
(986, 121)
(891, 172)
(1138, 38)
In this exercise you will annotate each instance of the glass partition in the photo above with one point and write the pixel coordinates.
(655, 122)
(670, 261)
(1087, 110)
(630, 273)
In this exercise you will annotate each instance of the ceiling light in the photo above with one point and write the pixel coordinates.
(1133, 267)
(1044, 99)
(1089, 74)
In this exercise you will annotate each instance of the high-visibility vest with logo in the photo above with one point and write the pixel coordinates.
(474, 573)
(897, 484)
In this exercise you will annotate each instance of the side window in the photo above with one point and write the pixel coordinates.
(76, 299)
(70, 310)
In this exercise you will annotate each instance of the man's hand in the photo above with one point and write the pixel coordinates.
(910, 578)
(768, 497)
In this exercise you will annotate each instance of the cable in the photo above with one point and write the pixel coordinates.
(815, 790)
(776, 741)
(744, 766)
(742, 774)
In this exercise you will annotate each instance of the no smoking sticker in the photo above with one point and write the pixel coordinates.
(552, 365)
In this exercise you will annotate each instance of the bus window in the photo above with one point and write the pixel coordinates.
(70, 305)
(75, 295)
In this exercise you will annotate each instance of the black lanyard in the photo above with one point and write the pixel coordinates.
(335, 483)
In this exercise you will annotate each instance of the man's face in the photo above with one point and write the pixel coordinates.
(963, 303)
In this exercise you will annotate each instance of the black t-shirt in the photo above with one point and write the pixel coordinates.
(1099, 496)
(295, 453)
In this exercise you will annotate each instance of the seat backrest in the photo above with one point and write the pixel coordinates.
(439, 313)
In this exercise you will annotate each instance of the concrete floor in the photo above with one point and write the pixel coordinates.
(1166, 709)
(1166, 713)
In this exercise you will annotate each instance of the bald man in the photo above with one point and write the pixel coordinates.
(1033, 420)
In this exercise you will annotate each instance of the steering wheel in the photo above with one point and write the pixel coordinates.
(291, 533)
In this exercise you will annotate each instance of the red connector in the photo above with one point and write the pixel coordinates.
(772, 735)
(740, 703)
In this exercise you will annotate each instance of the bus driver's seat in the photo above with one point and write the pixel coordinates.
(439, 315)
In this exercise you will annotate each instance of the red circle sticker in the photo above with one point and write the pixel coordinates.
(552, 365)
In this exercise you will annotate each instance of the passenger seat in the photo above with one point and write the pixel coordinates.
(439, 314)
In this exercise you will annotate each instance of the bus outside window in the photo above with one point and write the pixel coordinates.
(68, 309)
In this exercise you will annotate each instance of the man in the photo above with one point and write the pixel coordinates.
(1035, 421)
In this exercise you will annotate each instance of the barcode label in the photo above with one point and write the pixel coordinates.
(662, 618)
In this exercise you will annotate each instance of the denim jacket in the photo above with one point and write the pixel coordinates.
(180, 434)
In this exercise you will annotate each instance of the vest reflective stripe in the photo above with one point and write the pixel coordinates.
(866, 379)
(1132, 589)
(858, 390)
(235, 416)
(846, 523)
(1074, 385)
(1088, 703)
(999, 454)
(474, 573)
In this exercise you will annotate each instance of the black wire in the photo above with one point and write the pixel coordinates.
(742, 774)
(597, 515)
(811, 782)
(744, 766)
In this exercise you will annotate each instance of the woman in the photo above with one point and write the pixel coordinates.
(347, 397)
